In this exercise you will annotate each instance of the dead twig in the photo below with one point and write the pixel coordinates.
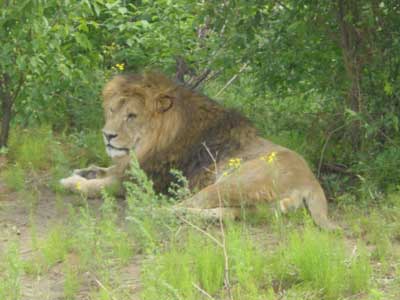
(202, 231)
(102, 286)
(321, 159)
(232, 79)
(202, 291)
(200, 79)
(221, 226)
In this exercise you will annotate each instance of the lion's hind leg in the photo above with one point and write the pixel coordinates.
(317, 206)
(313, 199)
(247, 186)
(290, 203)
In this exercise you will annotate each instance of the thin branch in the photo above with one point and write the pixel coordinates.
(202, 231)
(282, 5)
(203, 291)
(102, 286)
(336, 168)
(232, 79)
(214, 74)
(200, 79)
(221, 225)
(321, 159)
(18, 90)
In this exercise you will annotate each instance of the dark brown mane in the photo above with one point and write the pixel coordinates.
(206, 124)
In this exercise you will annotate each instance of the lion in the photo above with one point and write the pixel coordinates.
(168, 126)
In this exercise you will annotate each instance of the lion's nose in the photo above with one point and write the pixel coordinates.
(109, 136)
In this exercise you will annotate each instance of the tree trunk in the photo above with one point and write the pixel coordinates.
(7, 100)
(351, 45)
(6, 119)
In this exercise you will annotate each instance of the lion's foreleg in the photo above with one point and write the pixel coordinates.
(90, 187)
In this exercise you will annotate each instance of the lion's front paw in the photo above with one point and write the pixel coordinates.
(74, 183)
(89, 173)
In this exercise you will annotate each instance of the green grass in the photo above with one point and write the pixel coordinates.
(32, 153)
(14, 177)
(249, 271)
(174, 272)
(309, 264)
(100, 238)
(71, 280)
(49, 251)
(31, 148)
(319, 261)
(11, 270)
(56, 246)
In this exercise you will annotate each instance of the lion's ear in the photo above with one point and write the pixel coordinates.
(164, 103)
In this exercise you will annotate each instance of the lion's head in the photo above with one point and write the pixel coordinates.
(139, 110)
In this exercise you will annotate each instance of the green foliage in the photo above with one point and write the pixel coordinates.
(179, 187)
(382, 171)
(297, 86)
(140, 187)
(149, 220)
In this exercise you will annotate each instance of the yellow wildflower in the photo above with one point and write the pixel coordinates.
(234, 163)
(78, 186)
(120, 67)
(270, 158)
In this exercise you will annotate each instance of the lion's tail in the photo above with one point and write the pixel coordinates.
(317, 205)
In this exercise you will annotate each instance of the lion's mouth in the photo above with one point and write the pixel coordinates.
(120, 151)
(111, 147)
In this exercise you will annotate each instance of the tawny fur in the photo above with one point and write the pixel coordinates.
(174, 127)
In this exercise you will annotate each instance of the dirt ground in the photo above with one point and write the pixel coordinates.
(15, 221)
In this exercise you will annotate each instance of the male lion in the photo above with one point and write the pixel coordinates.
(169, 126)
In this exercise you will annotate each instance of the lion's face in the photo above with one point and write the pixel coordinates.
(134, 117)
(126, 123)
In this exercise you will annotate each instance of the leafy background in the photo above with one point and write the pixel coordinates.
(320, 77)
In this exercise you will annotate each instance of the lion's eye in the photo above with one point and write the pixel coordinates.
(131, 116)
